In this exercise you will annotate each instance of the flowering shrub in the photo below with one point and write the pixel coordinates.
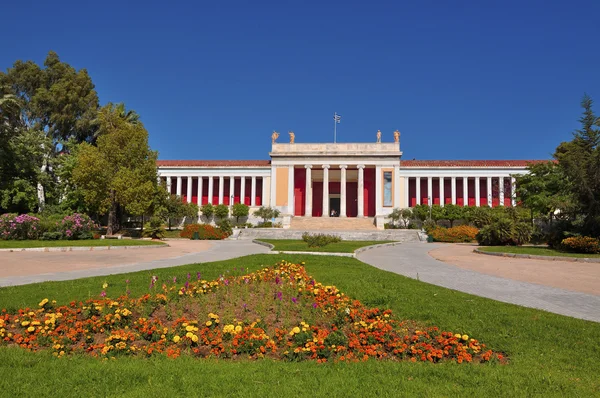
(278, 312)
(77, 226)
(461, 233)
(320, 240)
(24, 226)
(581, 244)
(205, 232)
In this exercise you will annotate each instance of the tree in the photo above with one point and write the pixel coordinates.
(452, 213)
(266, 213)
(208, 210)
(395, 215)
(240, 210)
(55, 102)
(579, 160)
(119, 171)
(221, 211)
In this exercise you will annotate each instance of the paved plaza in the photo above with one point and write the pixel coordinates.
(566, 288)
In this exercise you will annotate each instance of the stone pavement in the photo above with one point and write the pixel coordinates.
(20, 268)
(412, 260)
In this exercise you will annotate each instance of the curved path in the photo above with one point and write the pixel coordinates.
(20, 268)
(412, 260)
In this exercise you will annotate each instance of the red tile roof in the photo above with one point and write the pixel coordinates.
(213, 163)
(469, 163)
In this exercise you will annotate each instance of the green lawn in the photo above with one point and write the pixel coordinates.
(550, 355)
(536, 250)
(297, 245)
(20, 244)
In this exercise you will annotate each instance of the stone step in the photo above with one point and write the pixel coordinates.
(333, 223)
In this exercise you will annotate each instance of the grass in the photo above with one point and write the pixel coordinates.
(20, 244)
(550, 355)
(535, 250)
(174, 233)
(297, 245)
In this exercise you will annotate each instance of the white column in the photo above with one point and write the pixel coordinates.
(378, 191)
(453, 188)
(397, 181)
(243, 190)
(429, 192)
(513, 196)
(489, 191)
(308, 192)
(477, 192)
(210, 189)
(361, 190)
(441, 182)
(178, 187)
(273, 198)
(343, 168)
(200, 191)
(290, 200)
(325, 190)
(264, 193)
(418, 189)
(169, 185)
(231, 190)
(189, 190)
(501, 190)
(406, 193)
(221, 186)
(465, 191)
(253, 192)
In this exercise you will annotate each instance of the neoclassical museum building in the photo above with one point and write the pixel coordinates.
(342, 180)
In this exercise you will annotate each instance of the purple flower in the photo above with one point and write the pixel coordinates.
(198, 275)
(187, 285)
(245, 306)
(226, 282)
(174, 279)
(127, 281)
(103, 294)
(128, 292)
(294, 300)
(314, 305)
(279, 295)
(188, 276)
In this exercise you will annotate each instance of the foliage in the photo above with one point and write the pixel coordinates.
(207, 210)
(504, 232)
(320, 240)
(579, 161)
(76, 226)
(295, 245)
(480, 216)
(581, 244)
(266, 213)
(461, 233)
(312, 314)
(154, 228)
(421, 212)
(225, 226)
(240, 210)
(119, 171)
(205, 232)
(429, 225)
(221, 211)
(19, 227)
(452, 213)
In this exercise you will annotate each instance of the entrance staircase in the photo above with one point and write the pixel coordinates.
(332, 224)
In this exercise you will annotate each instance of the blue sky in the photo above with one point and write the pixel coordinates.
(212, 80)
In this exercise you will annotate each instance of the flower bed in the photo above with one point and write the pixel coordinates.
(461, 233)
(581, 244)
(278, 312)
(205, 232)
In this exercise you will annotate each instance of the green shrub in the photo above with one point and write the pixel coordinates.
(240, 210)
(429, 225)
(265, 224)
(266, 213)
(320, 240)
(504, 232)
(581, 244)
(19, 227)
(52, 236)
(221, 211)
(154, 228)
(225, 227)
(207, 210)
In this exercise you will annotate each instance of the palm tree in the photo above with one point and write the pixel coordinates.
(107, 115)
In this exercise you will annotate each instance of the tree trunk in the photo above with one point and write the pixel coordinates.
(113, 219)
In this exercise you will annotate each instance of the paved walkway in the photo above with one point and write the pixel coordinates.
(20, 268)
(413, 260)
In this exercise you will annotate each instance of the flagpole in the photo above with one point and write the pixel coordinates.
(334, 126)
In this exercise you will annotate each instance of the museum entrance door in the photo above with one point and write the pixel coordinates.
(334, 206)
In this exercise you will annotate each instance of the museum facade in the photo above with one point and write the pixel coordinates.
(342, 179)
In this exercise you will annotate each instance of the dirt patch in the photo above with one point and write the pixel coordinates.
(574, 276)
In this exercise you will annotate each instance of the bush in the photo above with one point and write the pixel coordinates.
(504, 232)
(225, 227)
(19, 227)
(154, 228)
(51, 236)
(429, 225)
(205, 232)
(265, 224)
(207, 210)
(267, 213)
(581, 244)
(77, 226)
(462, 233)
(240, 210)
(221, 211)
(320, 240)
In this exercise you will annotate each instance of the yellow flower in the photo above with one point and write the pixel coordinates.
(238, 329)
(208, 323)
(31, 329)
(465, 337)
(176, 339)
(104, 285)
(296, 330)
(43, 302)
(25, 323)
(194, 338)
(457, 335)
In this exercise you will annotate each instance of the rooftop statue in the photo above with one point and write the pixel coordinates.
(379, 136)
(396, 136)
(274, 136)
(292, 137)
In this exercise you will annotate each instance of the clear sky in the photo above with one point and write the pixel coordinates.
(212, 80)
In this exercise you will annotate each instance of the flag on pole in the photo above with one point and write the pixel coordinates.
(337, 117)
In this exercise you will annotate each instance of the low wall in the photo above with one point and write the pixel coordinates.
(398, 235)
